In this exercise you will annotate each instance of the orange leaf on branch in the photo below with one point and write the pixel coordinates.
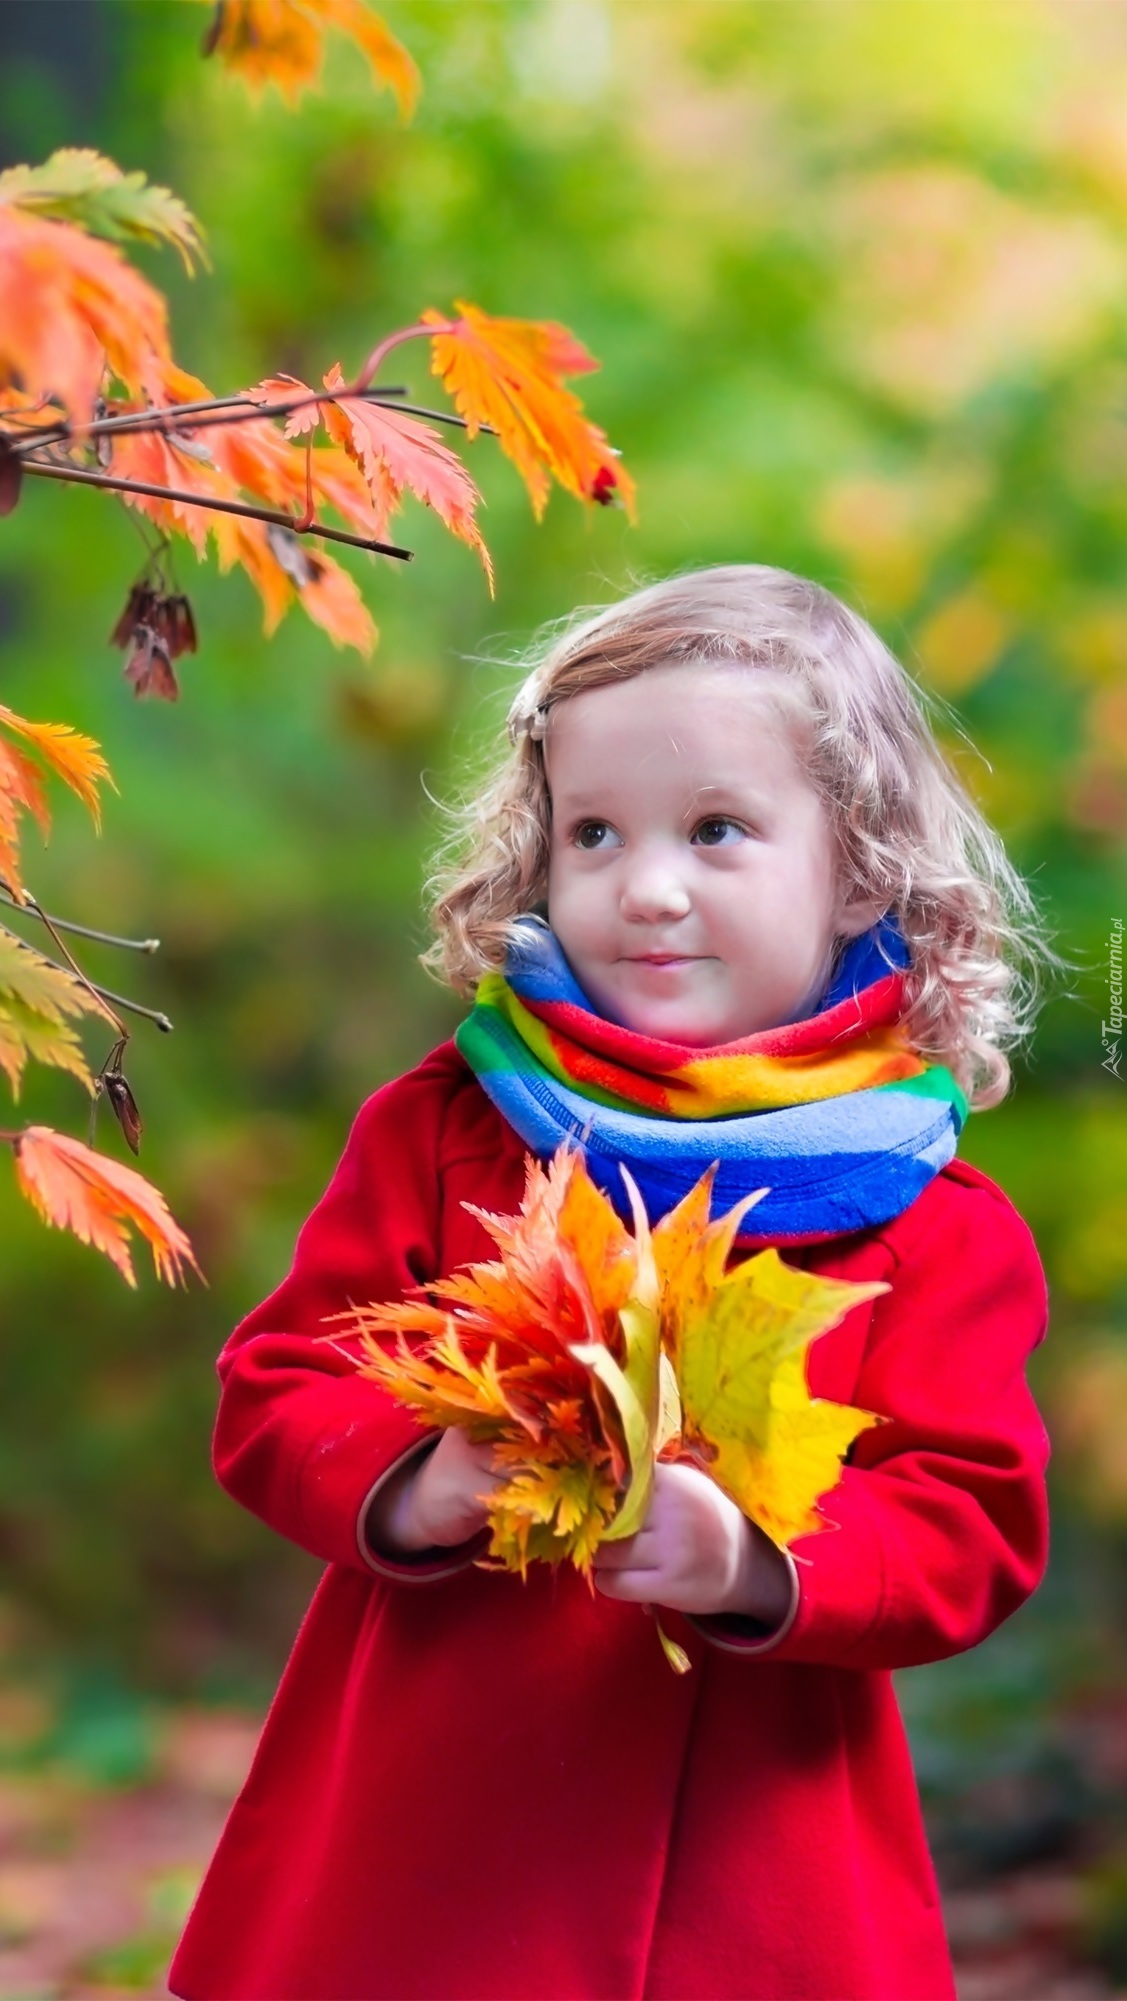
(89, 393)
(281, 42)
(70, 307)
(225, 463)
(74, 758)
(509, 374)
(393, 452)
(99, 1201)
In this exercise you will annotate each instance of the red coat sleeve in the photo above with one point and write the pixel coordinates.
(300, 1438)
(938, 1529)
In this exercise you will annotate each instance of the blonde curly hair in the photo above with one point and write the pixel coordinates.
(907, 833)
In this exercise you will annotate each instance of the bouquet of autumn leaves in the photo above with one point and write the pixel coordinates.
(583, 1353)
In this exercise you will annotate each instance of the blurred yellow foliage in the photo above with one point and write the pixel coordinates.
(1089, 1422)
(962, 640)
(946, 282)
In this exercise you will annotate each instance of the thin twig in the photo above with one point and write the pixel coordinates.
(134, 1007)
(80, 930)
(105, 999)
(444, 417)
(167, 417)
(105, 995)
(240, 507)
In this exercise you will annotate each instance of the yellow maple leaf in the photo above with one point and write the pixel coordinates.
(738, 1341)
(36, 999)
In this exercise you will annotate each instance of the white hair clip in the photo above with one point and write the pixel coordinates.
(533, 724)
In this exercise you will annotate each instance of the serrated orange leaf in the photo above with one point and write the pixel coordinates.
(285, 570)
(21, 791)
(393, 453)
(74, 758)
(509, 374)
(280, 389)
(333, 601)
(99, 1201)
(396, 453)
(156, 458)
(245, 543)
(77, 759)
(71, 308)
(251, 459)
(281, 42)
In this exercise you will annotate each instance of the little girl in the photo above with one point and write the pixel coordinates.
(748, 915)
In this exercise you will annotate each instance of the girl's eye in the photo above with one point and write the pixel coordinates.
(718, 832)
(595, 834)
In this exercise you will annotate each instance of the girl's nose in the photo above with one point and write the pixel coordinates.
(654, 891)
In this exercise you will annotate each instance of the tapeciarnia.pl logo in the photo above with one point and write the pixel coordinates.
(1112, 1030)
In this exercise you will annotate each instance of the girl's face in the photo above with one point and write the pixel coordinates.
(691, 877)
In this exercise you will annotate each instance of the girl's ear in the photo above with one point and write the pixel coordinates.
(859, 913)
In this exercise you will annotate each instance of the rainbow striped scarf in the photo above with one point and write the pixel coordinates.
(837, 1115)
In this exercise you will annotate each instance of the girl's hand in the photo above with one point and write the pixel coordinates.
(696, 1552)
(435, 1503)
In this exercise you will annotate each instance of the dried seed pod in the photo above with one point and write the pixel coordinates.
(180, 627)
(149, 669)
(124, 1107)
(138, 612)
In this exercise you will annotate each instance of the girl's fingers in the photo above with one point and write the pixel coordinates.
(634, 1586)
(629, 1554)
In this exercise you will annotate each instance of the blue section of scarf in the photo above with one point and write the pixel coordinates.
(832, 1167)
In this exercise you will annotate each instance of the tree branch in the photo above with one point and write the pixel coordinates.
(82, 477)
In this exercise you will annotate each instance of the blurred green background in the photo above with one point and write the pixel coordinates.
(857, 276)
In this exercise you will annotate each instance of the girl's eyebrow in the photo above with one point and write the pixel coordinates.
(580, 802)
(738, 798)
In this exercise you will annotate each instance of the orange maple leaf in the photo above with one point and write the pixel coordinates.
(252, 458)
(21, 791)
(392, 452)
(99, 1199)
(509, 374)
(70, 307)
(395, 452)
(281, 41)
(159, 458)
(497, 1355)
(284, 570)
(75, 758)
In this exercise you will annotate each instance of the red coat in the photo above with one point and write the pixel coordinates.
(469, 1788)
